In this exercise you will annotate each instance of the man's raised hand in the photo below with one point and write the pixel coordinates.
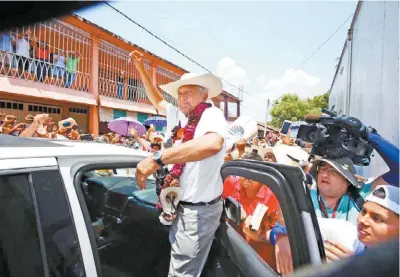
(136, 56)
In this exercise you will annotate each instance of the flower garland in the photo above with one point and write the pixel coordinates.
(172, 179)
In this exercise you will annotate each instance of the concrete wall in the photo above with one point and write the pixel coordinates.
(366, 84)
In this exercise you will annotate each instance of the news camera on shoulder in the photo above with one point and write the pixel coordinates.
(335, 136)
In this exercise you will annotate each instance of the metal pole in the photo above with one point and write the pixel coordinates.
(266, 119)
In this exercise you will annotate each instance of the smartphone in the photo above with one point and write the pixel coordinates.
(87, 137)
(285, 127)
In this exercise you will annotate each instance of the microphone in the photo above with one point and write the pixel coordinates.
(312, 118)
(347, 122)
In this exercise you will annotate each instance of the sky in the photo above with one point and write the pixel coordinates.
(262, 45)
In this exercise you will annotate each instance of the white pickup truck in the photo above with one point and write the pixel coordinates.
(61, 216)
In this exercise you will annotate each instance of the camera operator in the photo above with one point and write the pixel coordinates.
(338, 193)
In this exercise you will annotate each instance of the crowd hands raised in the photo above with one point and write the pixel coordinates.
(354, 213)
(43, 126)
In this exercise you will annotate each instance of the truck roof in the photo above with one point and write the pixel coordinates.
(13, 148)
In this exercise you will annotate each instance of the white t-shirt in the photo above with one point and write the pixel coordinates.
(201, 181)
(22, 47)
(340, 231)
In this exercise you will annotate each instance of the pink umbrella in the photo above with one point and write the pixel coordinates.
(123, 124)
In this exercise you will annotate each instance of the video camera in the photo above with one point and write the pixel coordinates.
(334, 136)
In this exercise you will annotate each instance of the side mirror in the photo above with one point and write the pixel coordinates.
(233, 210)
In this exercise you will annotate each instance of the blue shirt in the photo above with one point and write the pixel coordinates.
(347, 208)
(5, 43)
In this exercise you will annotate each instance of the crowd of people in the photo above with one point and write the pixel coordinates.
(43, 126)
(193, 152)
(27, 54)
(339, 197)
(343, 202)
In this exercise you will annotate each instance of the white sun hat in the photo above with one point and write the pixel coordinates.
(169, 198)
(290, 155)
(208, 81)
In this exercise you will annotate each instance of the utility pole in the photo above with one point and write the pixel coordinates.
(266, 119)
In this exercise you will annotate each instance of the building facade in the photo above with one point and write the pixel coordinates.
(70, 67)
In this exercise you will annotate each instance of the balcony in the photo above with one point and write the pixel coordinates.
(119, 78)
(55, 60)
(50, 52)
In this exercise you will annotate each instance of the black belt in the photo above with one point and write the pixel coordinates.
(212, 202)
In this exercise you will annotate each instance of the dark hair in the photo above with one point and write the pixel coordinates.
(155, 144)
(252, 156)
(380, 193)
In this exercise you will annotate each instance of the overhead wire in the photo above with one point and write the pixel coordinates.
(176, 50)
(324, 42)
(206, 69)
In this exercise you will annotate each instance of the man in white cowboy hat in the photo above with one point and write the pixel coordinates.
(193, 229)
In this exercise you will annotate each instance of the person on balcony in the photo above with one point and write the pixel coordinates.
(120, 84)
(73, 58)
(59, 61)
(22, 49)
(42, 55)
(6, 50)
(132, 89)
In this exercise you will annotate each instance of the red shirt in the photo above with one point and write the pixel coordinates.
(264, 196)
(42, 53)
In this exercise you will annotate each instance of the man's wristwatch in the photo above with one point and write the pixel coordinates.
(157, 158)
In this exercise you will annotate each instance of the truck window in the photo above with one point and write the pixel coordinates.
(123, 221)
(260, 211)
(28, 202)
(20, 253)
(62, 247)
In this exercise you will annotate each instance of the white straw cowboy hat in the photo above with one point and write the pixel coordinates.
(290, 155)
(208, 81)
(169, 198)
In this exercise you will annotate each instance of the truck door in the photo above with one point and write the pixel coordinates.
(252, 253)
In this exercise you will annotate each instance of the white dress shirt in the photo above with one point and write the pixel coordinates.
(201, 181)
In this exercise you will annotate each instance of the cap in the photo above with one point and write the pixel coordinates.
(386, 196)
(344, 166)
(67, 123)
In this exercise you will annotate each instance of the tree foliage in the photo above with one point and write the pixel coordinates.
(291, 107)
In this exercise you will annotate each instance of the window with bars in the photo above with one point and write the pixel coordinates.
(11, 105)
(78, 110)
(44, 109)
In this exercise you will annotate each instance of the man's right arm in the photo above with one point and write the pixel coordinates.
(154, 95)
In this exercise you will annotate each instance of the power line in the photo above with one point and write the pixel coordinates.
(323, 43)
(173, 48)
